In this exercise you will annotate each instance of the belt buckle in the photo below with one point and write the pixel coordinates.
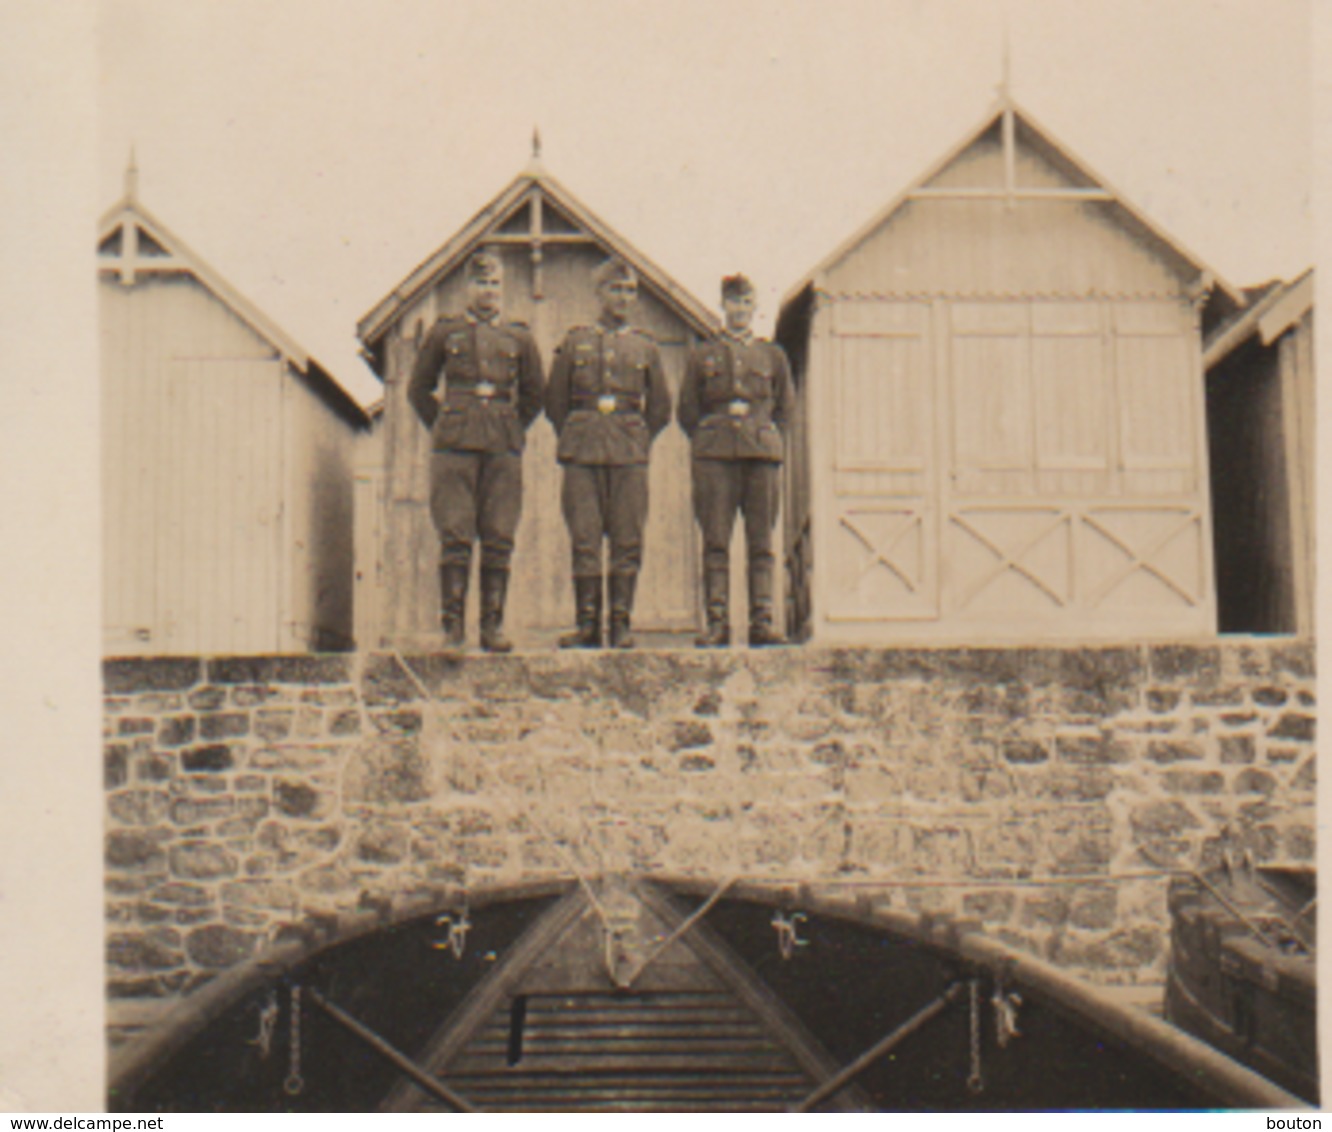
(606, 403)
(738, 408)
(485, 390)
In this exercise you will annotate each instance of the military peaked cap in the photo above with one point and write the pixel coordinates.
(734, 286)
(484, 264)
(614, 270)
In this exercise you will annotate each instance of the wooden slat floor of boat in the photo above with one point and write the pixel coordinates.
(582, 1103)
(576, 1043)
(675, 1083)
(674, 1002)
(647, 1061)
(589, 1022)
(655, 1051)
(628, 1031)
(612, 1093)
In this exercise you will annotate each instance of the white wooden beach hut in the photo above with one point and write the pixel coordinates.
(1003, 430)
(226, 461)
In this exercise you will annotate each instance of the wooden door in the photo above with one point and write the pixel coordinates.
(1148, 554)
(881, 560)
(1006, 541)
(1012, 468)
(1076, 495)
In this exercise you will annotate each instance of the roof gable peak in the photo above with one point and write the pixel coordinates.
(136, 241)
(534, 210)
(1014, 121)
(132, 241)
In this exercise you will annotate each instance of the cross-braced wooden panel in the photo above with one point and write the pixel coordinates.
(1012, 559)
(883, 564)
(1144, 558)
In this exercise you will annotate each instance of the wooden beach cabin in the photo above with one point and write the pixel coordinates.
(226, 461)
(1003, 433)
(550, 243)
(1260, 406)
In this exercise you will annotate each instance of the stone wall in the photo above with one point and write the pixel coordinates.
(1043, 792)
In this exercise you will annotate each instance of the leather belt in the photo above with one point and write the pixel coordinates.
(484, 391)
(738, 408)
(611, 402)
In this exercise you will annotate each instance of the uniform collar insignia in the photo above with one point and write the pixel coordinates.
(476, 317)
(745, 337)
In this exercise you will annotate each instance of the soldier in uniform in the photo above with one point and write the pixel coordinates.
(492, 390)
(608, 399)
(734, 403)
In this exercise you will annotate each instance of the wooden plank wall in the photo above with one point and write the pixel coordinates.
(192, 473)
(1260, 404)
(1299, 378)
(1256, 516)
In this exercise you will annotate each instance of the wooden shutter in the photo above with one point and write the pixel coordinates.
(990, 399)
(1069, 398)
(1154, 374)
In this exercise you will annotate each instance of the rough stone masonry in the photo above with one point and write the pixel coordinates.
(1045, 792)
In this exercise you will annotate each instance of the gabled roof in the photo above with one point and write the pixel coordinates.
(533, 181)
(1097, 188)
(1274, 310)
(165, 252)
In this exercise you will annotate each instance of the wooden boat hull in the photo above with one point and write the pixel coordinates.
(535, 1016)
(1250, 995)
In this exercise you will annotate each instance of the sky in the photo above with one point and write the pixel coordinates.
(316, 153)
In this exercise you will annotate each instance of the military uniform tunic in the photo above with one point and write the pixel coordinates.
(492, 390)
(608, 399)
(735, 401)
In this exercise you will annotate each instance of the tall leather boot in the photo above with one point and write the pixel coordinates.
(761, 632)
(621, 608)
(453, 604)
(587, 615)
(494, 586)
(716, 607)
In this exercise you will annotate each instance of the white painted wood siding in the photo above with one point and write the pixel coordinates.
(192, 474)
(226, 483)
(996, 249)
